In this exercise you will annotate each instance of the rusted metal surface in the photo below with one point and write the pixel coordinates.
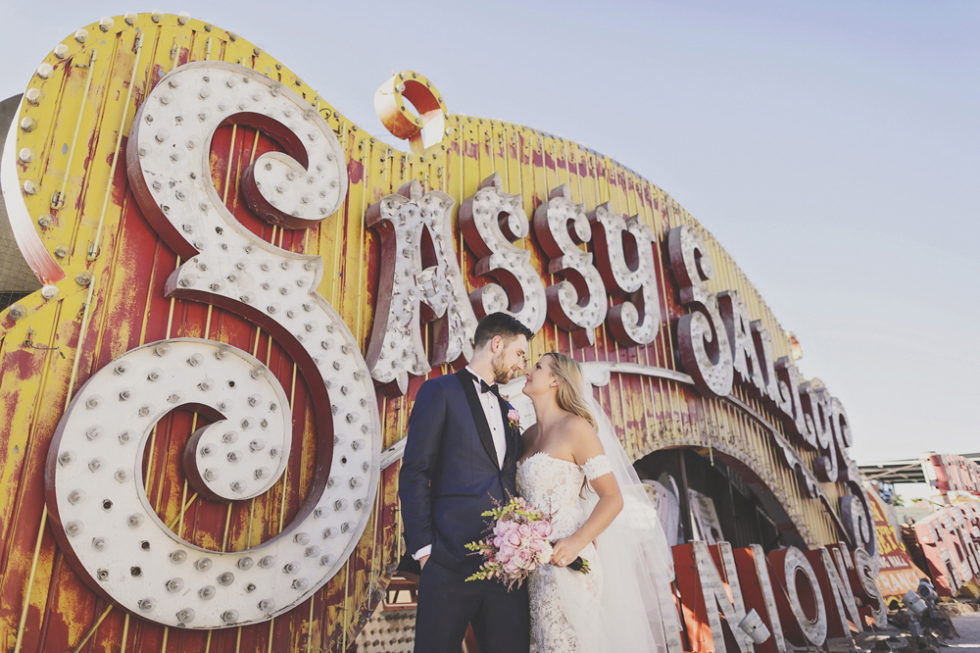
(113, 264)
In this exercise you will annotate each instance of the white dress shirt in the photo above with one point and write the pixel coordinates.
(491, 409)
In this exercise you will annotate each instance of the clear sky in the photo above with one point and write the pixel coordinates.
(832, 146)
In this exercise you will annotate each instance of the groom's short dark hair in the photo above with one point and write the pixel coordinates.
(499, 324)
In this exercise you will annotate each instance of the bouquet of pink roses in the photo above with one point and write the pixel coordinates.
(518, 544)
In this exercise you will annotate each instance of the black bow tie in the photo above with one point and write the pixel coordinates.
(486, 387)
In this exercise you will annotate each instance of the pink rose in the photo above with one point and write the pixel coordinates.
(506, 553)
(541, 528)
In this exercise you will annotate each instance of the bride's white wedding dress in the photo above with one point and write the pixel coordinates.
(625, 603)
(565, 604)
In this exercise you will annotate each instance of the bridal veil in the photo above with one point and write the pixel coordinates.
(638, 612)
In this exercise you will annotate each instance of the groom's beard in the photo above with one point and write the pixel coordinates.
(501, 373)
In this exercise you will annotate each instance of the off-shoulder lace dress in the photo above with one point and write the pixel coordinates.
(564, 603)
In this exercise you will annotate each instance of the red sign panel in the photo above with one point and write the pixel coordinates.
(950, 542)
(956, 474)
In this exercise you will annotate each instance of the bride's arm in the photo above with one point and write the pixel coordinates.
(585, 445)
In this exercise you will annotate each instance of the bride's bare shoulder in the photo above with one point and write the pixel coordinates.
(576, 427)
(582, 439)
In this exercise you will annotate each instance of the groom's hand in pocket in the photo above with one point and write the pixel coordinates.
(422, 562)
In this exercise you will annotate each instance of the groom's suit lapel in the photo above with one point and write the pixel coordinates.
(511, 435)
(476, 410)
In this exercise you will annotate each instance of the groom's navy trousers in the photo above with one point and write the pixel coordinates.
(449, 476)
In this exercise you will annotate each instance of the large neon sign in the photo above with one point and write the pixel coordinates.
(259, 232)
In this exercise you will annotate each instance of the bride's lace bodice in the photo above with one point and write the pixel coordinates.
(553, 486)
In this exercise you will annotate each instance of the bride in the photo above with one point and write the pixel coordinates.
(575, 470)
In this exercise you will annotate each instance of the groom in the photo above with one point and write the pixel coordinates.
(460, 458)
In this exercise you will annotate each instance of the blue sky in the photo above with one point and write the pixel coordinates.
(833, 147)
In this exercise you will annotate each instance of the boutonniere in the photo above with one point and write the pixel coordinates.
(514, 419)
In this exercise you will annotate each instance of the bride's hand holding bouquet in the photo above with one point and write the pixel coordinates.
(519, 543)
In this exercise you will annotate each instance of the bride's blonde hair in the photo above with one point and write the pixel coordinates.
(570, 386)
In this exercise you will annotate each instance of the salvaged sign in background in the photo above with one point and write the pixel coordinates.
(202, 407)
(949, 541)
(898, 574)
(951, 473)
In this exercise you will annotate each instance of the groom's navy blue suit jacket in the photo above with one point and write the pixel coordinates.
(449, 474)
